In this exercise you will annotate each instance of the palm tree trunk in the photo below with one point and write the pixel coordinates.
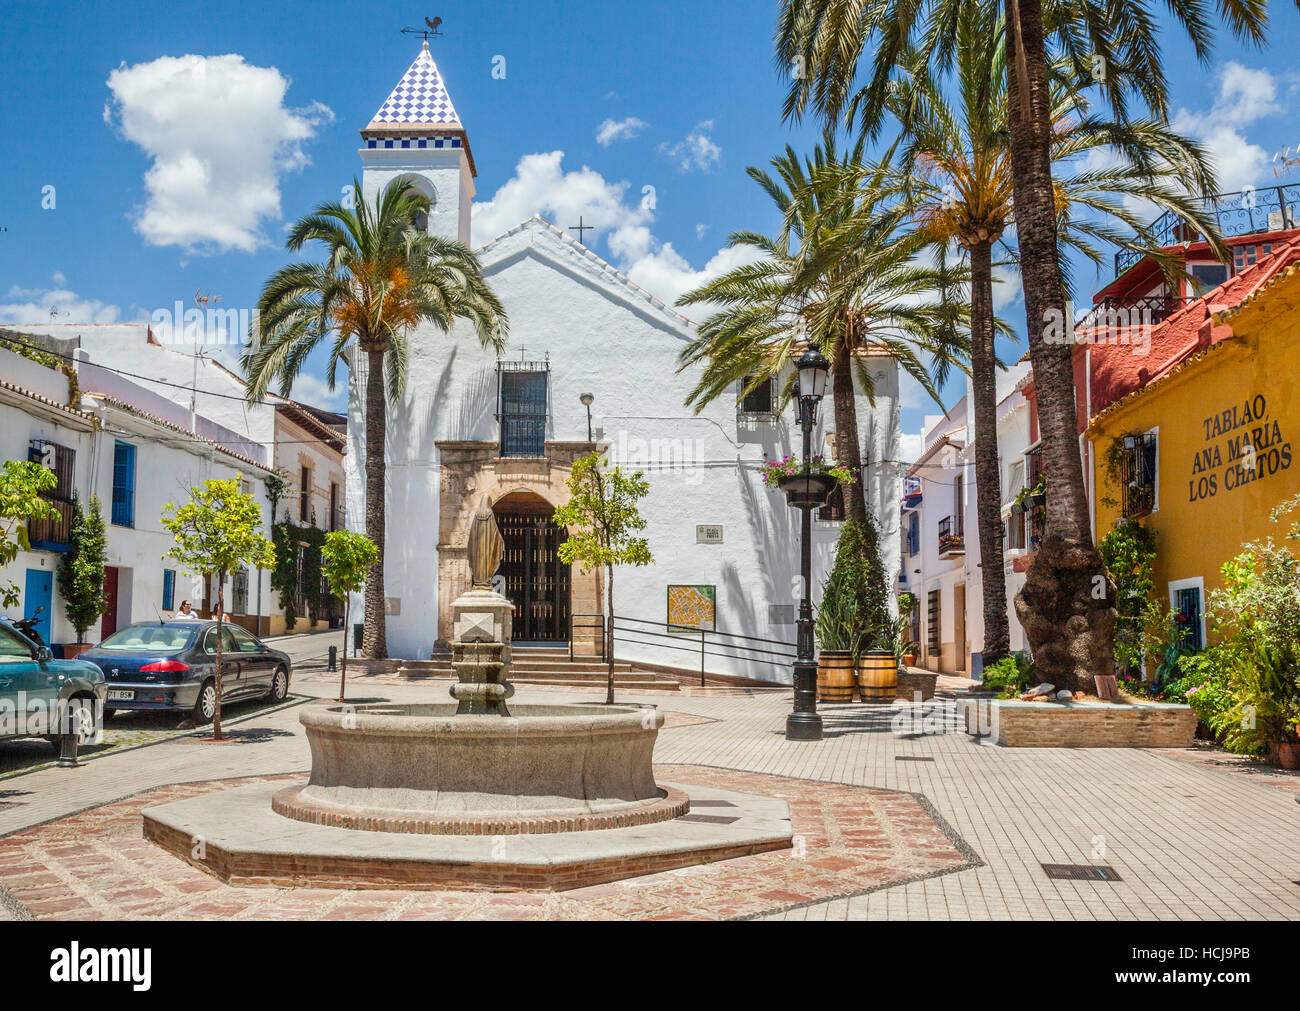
(1067, 605)
(988, 476)
(374, 643)
(847, 451)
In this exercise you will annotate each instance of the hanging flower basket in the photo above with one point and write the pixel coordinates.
(808, 489)
(804, 489)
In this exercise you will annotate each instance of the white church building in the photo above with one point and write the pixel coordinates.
(591, 363)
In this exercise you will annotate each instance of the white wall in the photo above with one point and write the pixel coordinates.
(610, 339)
(168, 464)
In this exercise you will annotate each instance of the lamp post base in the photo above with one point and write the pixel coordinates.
(804, 724)
(803, 727)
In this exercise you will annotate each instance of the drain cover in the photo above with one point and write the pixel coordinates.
(911, 758)
(708, 819)
(711, 803)
(1081, 872)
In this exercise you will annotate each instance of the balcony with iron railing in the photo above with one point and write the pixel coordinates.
(952, 538)
(1245, 212)
(1116, 313)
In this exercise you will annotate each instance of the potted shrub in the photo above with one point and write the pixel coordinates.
(837, 637)
(853, 612)
(878, 667)
(81, 572)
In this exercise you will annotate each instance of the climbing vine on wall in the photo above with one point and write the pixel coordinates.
(287, 538)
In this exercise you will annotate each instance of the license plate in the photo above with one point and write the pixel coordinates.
(120, 695)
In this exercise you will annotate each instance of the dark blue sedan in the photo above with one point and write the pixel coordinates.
(172, 666)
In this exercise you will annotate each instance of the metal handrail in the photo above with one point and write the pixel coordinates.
(788, 651)
(573, 628)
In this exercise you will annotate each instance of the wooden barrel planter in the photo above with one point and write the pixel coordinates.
(836, 676)
(878, 675)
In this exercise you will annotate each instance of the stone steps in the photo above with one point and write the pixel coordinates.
(544, 665)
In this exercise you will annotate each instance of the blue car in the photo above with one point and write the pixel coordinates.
(38, 694)
(172, 666)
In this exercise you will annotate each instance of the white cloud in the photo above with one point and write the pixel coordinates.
(54, 305)
(1245, 95)
(910, 445)
(701, 230)
(619, 129)
(541, 186)
(311, 389)
(219, 137)
(697, 152)
(666, 273)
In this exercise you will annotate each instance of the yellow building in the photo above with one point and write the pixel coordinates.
(1204, 451)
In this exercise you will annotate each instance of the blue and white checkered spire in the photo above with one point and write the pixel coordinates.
(420, 97)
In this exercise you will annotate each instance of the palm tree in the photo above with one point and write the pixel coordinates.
(381, 277)
(820, 43)
(842, 274)
(956, 162)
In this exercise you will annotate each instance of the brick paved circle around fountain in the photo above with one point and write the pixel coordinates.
(291, 804)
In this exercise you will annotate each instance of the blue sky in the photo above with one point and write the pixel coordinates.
(158, 193)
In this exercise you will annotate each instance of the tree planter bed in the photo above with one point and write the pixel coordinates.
(910, 682)
(1015, 724)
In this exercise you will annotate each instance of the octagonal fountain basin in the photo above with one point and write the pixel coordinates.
(425, 769)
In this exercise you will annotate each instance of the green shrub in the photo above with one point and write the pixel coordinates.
(854, 612)
(1011, 675)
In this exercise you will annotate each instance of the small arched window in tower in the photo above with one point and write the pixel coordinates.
(420, 219)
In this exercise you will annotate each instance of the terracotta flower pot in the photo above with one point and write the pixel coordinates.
(909, 659)
(72, 650)
(1287, 754)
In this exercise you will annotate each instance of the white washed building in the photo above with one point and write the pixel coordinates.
(472, 425)
(122, 443)
(177, 376)
(941, 551)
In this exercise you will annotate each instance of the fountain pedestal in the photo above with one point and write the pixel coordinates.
(480, 653)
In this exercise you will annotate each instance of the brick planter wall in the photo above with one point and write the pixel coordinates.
(1015, 724)
(911, 682)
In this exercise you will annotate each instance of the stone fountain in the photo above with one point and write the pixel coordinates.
(471, 793)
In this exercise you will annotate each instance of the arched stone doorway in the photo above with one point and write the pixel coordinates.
(536, 581)
(514, 486)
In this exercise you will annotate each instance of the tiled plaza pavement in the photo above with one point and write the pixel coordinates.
(1192, 835)
(848, 840)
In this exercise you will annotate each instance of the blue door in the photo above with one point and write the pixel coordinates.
(40, 583)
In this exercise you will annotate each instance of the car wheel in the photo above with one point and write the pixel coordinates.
(279, 685)
(205, 706)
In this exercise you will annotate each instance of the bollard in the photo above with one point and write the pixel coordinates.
(334, 658)
(68, 751)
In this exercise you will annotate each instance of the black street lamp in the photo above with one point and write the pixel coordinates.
(806, 491)
(587, 400)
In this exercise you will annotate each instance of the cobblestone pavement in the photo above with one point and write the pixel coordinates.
(1192, 834)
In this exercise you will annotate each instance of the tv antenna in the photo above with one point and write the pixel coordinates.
(431, 26)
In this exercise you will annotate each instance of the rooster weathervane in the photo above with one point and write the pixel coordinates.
(430, 29)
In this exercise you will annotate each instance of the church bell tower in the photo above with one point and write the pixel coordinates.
(416, 132)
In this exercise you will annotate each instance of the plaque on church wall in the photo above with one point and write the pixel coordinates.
(708, 533)
(692, 608)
